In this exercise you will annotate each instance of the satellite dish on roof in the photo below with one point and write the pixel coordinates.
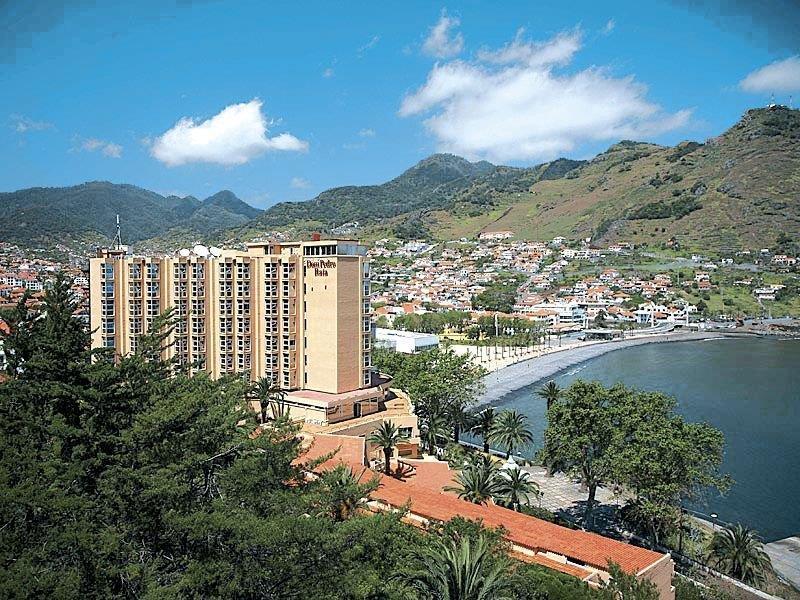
(200, 250)
(184, 252)
(215, 251)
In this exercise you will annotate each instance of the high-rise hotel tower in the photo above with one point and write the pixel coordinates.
(295, 312)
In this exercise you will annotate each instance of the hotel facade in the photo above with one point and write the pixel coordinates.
(297, 313)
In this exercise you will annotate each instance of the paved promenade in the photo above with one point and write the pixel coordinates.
(526, 372)
(785, 555)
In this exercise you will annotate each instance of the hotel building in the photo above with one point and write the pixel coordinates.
(297, 313)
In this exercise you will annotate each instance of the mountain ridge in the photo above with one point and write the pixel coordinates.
(738, 189)
(42, 215)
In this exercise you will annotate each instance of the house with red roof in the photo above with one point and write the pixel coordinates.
(420, 494)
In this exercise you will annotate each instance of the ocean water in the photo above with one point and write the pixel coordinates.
(749, 388)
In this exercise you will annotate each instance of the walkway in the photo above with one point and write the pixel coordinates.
(785, 555)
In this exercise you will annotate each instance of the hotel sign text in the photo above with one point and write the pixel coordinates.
(321, 266)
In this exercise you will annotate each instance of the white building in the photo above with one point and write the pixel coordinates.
(407, 342)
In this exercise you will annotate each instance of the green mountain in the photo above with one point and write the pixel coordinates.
(740, 189)
(42, 216)
(437, 183)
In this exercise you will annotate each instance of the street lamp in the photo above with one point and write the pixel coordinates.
(714, 517)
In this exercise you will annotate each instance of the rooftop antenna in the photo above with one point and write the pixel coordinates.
(118, 236)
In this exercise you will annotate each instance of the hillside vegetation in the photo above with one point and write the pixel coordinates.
(44, 216)
(740, 189)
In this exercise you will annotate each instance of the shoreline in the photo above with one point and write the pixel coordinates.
(527, 372)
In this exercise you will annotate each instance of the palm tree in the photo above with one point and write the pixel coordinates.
(460, 419)
(550, 392)
(343, 493)
(387, 436)
(737, 551)
(482, 426)
(510, 431)
(463, 569)
(270, 396)
(434, 428)
(515, 487)
(477, 482)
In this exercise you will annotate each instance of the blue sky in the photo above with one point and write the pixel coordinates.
(279, 101)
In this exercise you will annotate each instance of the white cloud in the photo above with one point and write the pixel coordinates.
(109, 149)
(299, 183)
(23, 124)
(514, 103)
(328, 73)
(442, 40)
(373, 41)
(557, 51)
(780, 76)
(366, 132)
(609, 27)
(234, 136)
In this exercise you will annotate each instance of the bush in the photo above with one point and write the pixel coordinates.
(538, 512)
(455, 455)
(533, 582)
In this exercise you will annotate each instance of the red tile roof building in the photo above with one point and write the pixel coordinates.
(578, 553)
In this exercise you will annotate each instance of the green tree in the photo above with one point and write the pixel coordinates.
(510, 431)
(387, 437)
(579, 438)
(438, 381)
(737, 551)
(515, 487)
(550, 392)
(482, 425)
(343, 492)
(664, 460)
(272, 399)
(627, 586)
(434, 430)
(477, 482)
(462, 568)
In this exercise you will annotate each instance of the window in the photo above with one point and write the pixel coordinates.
(180, 271)
(198, 308)
(152, 270)
(135, 325)
(108, 272)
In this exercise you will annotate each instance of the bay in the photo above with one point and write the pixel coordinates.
(749, 388)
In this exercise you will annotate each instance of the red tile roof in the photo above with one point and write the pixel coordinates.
(427, 499)
(523, 530)
(349, 450)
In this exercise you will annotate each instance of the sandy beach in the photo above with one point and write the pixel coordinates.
(550, 361)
